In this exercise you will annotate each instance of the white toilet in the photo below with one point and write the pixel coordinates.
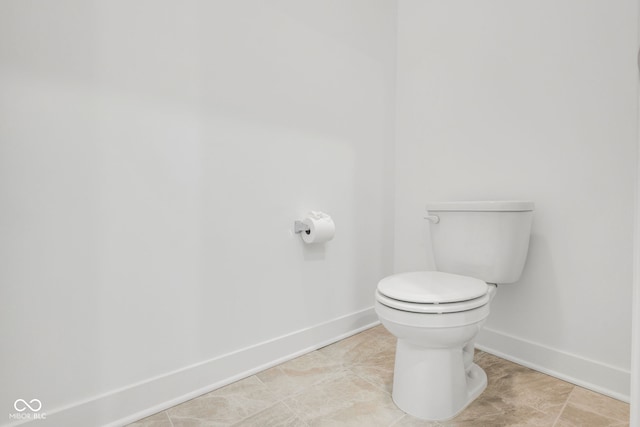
(436, 315)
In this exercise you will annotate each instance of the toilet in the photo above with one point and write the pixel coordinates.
(436, 315)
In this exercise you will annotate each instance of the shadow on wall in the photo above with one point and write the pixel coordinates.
(513, 302)
(313, 251)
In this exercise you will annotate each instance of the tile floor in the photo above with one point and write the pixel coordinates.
(349, 384)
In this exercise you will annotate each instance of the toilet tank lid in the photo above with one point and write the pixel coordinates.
(482, 206)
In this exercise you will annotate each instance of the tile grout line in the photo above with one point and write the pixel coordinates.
(398, 420)
(169, 416)
(345, 370)
(369, 382)
(281, 398)
(278, 400)
(296, 413)
(563, 407)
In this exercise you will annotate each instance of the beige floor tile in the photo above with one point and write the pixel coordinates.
(353, 349)
(599, 404)
(577, 417)
(278, 415)
(345, 401)
(520, 416)
(160, 419)
(297, 374)
(376, 360)
(478, 354)
(380, 334)
(511, 385)
(370, 355)
(585, 407)
(361, 346)
(377, 369)
(484, 406)
(224, 406)
(409, 421)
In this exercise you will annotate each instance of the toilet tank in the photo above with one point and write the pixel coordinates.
(486, 240)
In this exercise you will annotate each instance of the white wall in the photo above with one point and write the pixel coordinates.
(153, 158)
(534, 101)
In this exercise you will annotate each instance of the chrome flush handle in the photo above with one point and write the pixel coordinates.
(433, 218)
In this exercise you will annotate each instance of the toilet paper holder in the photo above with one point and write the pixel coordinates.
(299, 227)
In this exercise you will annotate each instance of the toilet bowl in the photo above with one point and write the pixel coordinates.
(436, 315)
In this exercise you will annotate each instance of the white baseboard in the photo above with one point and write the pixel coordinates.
(590, 374)
(136, 401)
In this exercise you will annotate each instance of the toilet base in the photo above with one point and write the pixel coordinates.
(432, 383)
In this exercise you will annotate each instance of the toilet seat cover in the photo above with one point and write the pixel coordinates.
(431, 287)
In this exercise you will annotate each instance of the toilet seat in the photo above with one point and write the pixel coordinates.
(432, 292)
(452, 307)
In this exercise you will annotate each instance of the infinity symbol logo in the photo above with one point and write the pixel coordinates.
(22, 405)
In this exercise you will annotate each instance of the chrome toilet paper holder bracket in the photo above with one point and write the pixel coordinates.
(299, 227)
